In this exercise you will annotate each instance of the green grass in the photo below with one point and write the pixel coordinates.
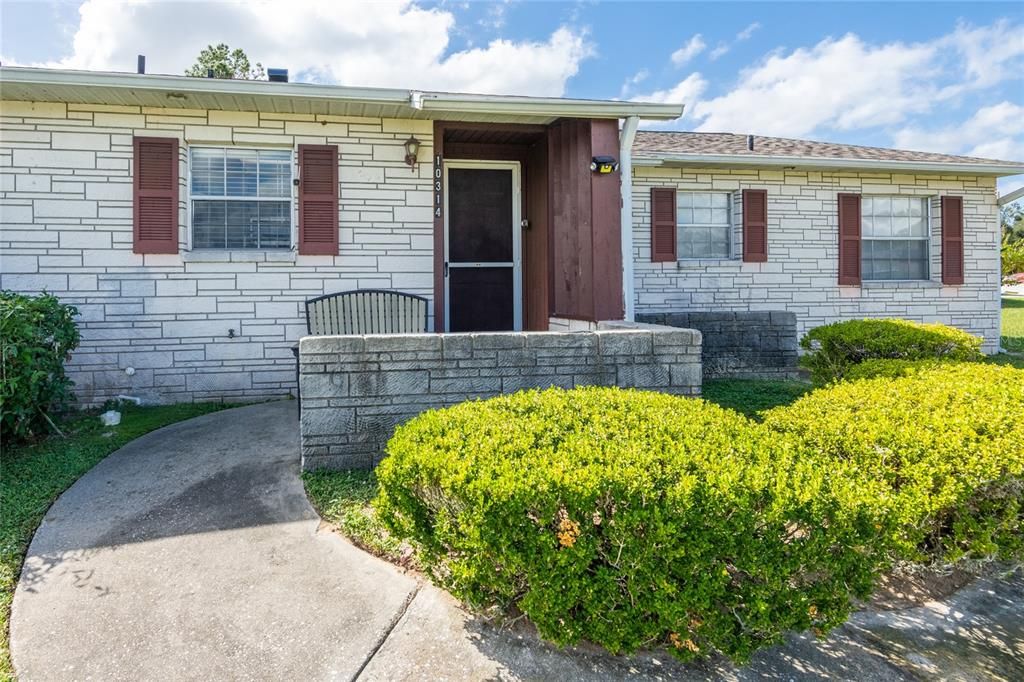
(752, 396)
(342, 498)
(33, 475)
(1013, 325)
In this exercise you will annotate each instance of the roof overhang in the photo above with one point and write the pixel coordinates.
(1010, 197)
(180, 92)
(823, 163)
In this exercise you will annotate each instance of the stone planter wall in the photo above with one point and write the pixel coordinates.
(740, 344)
(356, 389)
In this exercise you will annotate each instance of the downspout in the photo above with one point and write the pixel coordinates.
(626, 137)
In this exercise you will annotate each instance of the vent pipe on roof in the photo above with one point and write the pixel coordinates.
(750, 143)
(142, 64)
(277, 75)
(209, 73)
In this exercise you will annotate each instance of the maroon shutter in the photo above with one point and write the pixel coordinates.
(952, 240)
(155, 196)
(318, 199)
(663, 224)
(755, 225)
(849, 239)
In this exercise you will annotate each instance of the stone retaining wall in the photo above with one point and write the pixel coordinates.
(740, 344)
(356, 389)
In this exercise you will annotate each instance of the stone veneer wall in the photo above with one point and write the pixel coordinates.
(356, 389)
(740, 344)
(801, 272)
(198, 324)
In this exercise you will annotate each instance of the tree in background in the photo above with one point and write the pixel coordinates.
(226, 63)
(1012, 218)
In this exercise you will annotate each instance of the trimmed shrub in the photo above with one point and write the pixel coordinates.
(835, 347)
(947, 441)
(36, 335)
(631, 519)
(891, 369)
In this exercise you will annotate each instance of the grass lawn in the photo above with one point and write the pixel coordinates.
(1013, 324)
(33, 475)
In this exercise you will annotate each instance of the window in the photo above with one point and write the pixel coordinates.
(894, 232)
(704, 224)
(241, 198)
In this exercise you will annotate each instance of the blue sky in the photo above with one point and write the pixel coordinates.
(939, 76)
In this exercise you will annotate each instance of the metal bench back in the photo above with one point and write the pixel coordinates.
(366, 311)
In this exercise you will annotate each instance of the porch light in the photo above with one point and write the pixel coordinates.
(412, 149)
(604, 165)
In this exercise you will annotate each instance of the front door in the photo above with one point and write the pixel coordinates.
(483, 265)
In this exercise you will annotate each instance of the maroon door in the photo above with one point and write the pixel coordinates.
(482, 251)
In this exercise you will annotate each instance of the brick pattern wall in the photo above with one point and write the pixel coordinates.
(356, 389)
(197, 325)
(801, 273)
(740, 344)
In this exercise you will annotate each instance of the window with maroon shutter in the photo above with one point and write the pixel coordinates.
(952, 240)
(663, 224)
(755, 225)
(849, 239)
(318, 199)
(155, 195)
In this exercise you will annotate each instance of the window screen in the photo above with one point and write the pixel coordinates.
(894, 233)
(241, 198)
(704, 224)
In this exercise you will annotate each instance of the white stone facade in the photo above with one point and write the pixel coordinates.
(802, 269)
(196, 325)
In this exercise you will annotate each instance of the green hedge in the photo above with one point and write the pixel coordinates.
(947, 440)
(632, 519)
(36, 335)
(834, 348)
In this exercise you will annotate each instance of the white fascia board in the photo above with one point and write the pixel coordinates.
(187, 84)
(828, 163)
(548, 106)
(1011, 196)
(427, 101)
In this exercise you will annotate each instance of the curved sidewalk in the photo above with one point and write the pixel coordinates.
(192, 553)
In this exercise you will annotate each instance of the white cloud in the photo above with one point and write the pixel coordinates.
(630, 84)
(993, 132)
(693, 47)
(686, 91)
(722, 48)
(848, 84)
(748, 31)
(386, 44)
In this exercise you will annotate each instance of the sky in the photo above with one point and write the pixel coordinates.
(931, 76)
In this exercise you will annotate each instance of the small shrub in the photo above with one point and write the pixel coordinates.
(36, 335)
(947, 441)
(835, 347)
(631, 519)
(1011, 259)
(891, 369)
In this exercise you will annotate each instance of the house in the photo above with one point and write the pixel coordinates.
(188, 219)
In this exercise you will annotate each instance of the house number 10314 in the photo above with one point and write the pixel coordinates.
(437, 186)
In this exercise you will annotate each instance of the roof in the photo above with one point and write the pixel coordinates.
(99, 87)
(684, 148)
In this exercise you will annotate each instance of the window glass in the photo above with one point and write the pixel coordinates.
(894, 232)
(241, 198)
(704, 224)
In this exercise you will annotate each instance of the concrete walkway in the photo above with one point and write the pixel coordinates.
(192, 553)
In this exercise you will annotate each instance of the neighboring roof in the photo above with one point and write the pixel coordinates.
(96, 87)
(682, 148)
(1011, 196)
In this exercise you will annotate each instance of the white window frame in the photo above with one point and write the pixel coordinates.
(729, 225)
(291, 198)
(927, 239)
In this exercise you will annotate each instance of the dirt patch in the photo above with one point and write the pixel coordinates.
(912, 587)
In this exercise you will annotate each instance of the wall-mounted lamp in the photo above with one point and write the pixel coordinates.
(604, 165)
(412, 149)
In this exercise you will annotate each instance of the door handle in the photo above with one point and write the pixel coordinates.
(446, 269)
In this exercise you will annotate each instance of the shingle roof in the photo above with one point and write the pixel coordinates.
(656, 143)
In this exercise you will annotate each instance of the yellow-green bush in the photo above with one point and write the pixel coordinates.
(946, 439)
(835, 348)
(632, 519)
